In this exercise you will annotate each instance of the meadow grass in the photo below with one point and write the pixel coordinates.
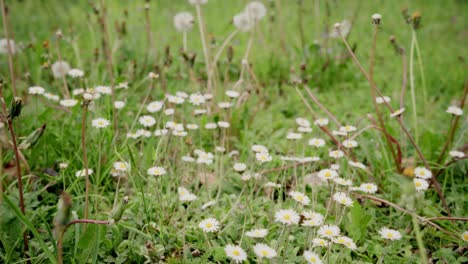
(137, 211)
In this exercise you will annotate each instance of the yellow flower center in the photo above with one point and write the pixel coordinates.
(264, 252)
(287, 217)
(236, 252)
(209, 225)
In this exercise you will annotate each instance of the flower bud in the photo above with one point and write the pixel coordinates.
(32, 139)
(15, 108)
(118, 212)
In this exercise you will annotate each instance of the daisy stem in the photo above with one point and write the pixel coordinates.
(288, 230)
(221, 49)
(207, 240)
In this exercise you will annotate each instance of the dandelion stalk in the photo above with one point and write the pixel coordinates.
(412, 88)
(108, 55)
(9, 48)
(58, 36)
(201, 27)
(9, 122)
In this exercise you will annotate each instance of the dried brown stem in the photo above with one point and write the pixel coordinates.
(9, 123)
(418, 217)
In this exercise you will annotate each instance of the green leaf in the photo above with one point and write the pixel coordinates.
(359, 221)
(31, 227)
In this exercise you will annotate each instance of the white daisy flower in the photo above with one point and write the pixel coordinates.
(259, 148)
(101, 89)
(343, 198)
(82, 173)
(208, 204)
(420, 184)
(294, 136)
(329, 231)
(317, 142)
(36, 90)
(51, 96)
(257, 233)
(192, 126)
(350, 143)
(264, 251)
(342, 182)
(348, 128)
(263, 157)
(232, 94)
(381, 100)
(197, 99)
(312, 258)
(422, 173)
(147, 121)
(240, 167)
(398, 112)
(156, 171)
(119, 104)
(209, 225)
(224, 105)
(121, 166)
(287, 217)
(456, 154)
(327, 174)
(455, 110)
(304, 129)
(300, 197)
(211, 125)
(223, 124)
(368, 188)
(302, 122)
(68, 102)
(464, 236)
(236, 253)
(320, 242)
(161, 132)
(321, 122)
(357, 165)
(336, 154)
(155, 106)
(75, 73)
(100, 123)
(122, 85)
(344, 240)
(390, 234)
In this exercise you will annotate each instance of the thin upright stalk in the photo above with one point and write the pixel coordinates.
(412, 88)
(66, 92)
(9, 123)
(108, 56)
(9, 48)
(204, 45)
(85, 159)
